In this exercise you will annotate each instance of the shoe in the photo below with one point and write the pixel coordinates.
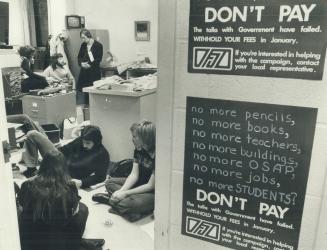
(101, 198)
(30, 172)
(14, 167)
(133, 217)
(113, 211)
(92, 243)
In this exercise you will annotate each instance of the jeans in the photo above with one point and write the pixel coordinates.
(29, 124)
(36, 142)
(133, 204)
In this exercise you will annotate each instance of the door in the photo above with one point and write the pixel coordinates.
(9, 235)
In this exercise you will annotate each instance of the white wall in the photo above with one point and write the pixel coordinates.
(175, 84)
(9, 236)
(118, 17)
(57, 10)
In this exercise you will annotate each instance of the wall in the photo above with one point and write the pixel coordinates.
(9, 236)
(57, 10)
(118, 17)
(175, 84)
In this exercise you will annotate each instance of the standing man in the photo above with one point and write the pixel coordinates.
(89, 58)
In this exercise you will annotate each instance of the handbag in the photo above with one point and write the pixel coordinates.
(122, 168)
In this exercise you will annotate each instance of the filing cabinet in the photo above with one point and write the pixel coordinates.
(50, 109)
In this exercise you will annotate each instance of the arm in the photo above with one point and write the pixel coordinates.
(132, 178)
(23, 194)
(100, 164)
(27, 68)
(75, 198)
(46, 72)
(50, 90)
(67, 149)
(97, 54)
(81, 53)
(145, 188)
(71, 79)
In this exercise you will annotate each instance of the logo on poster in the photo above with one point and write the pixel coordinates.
(202, 228)
(212, 58)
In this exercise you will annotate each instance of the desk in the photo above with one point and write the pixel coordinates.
(50, 109)
(114, 112)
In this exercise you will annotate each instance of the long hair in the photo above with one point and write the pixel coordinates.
(54, 60)
(146, 131)
(52, 187)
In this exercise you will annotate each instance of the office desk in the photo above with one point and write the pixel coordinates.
(114, 112)
(50, 109)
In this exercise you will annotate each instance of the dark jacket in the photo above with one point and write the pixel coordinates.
(34, 81)
(88, 76)
(89, 166)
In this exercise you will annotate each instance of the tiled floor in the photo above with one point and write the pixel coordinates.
(119, 234)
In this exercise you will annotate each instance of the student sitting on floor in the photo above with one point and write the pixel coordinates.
(133, 197)
(59, 72)
(52, 217)
(86, 157)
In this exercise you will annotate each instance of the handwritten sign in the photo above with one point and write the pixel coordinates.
(259, 38)
(245, 172)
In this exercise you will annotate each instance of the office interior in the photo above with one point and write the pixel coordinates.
(127, 86)
(164, 49)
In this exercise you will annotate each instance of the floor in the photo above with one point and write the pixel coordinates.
(118, 233)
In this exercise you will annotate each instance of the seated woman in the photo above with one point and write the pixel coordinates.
(51, 215)
(59, 73)
(86, 157)
(133, 197)
(32, 80)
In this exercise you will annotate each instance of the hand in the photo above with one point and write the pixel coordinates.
(50, 79)
(85, 65)
(77, 182)
(119, 195)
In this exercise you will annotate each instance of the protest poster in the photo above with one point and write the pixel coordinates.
(258, 38)
(246, 168)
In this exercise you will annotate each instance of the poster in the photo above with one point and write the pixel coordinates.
(246, 167)
(258, 38)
